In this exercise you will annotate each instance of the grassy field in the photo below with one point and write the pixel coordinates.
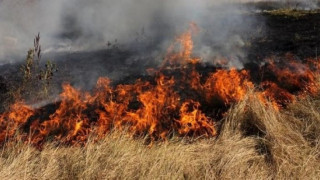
(255, 142)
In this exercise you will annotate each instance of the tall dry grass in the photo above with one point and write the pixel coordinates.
(255, 142)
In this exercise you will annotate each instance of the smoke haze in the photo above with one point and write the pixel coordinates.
(79, 25)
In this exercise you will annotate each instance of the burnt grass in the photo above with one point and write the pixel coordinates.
(283, 34)
(288, 33)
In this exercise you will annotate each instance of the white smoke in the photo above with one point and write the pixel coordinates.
(87, 25)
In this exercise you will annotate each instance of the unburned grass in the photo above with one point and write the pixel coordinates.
(255, 142)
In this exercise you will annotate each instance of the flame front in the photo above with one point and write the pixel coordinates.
(169, 105)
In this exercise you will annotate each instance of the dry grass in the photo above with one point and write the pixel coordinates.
(255, 142)
(292, 12)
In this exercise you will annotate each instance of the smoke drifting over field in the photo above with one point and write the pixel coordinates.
(82, 25)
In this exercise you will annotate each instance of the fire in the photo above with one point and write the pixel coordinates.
(158, 104)
(277, 96)
(193, 121)
(70, 117)
(184, 55)
(178, 104)
(17, 116)
(295, 75)
(228, 85)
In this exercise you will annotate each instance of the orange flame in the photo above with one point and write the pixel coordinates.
(276, 95)
(184, 55)
(11, 121)
(193, 121)
(160, 108)
(228, 85)
(295, 75)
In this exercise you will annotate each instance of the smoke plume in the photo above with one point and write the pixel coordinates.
(79, 25)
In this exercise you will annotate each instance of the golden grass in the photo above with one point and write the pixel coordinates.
(255, 142)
